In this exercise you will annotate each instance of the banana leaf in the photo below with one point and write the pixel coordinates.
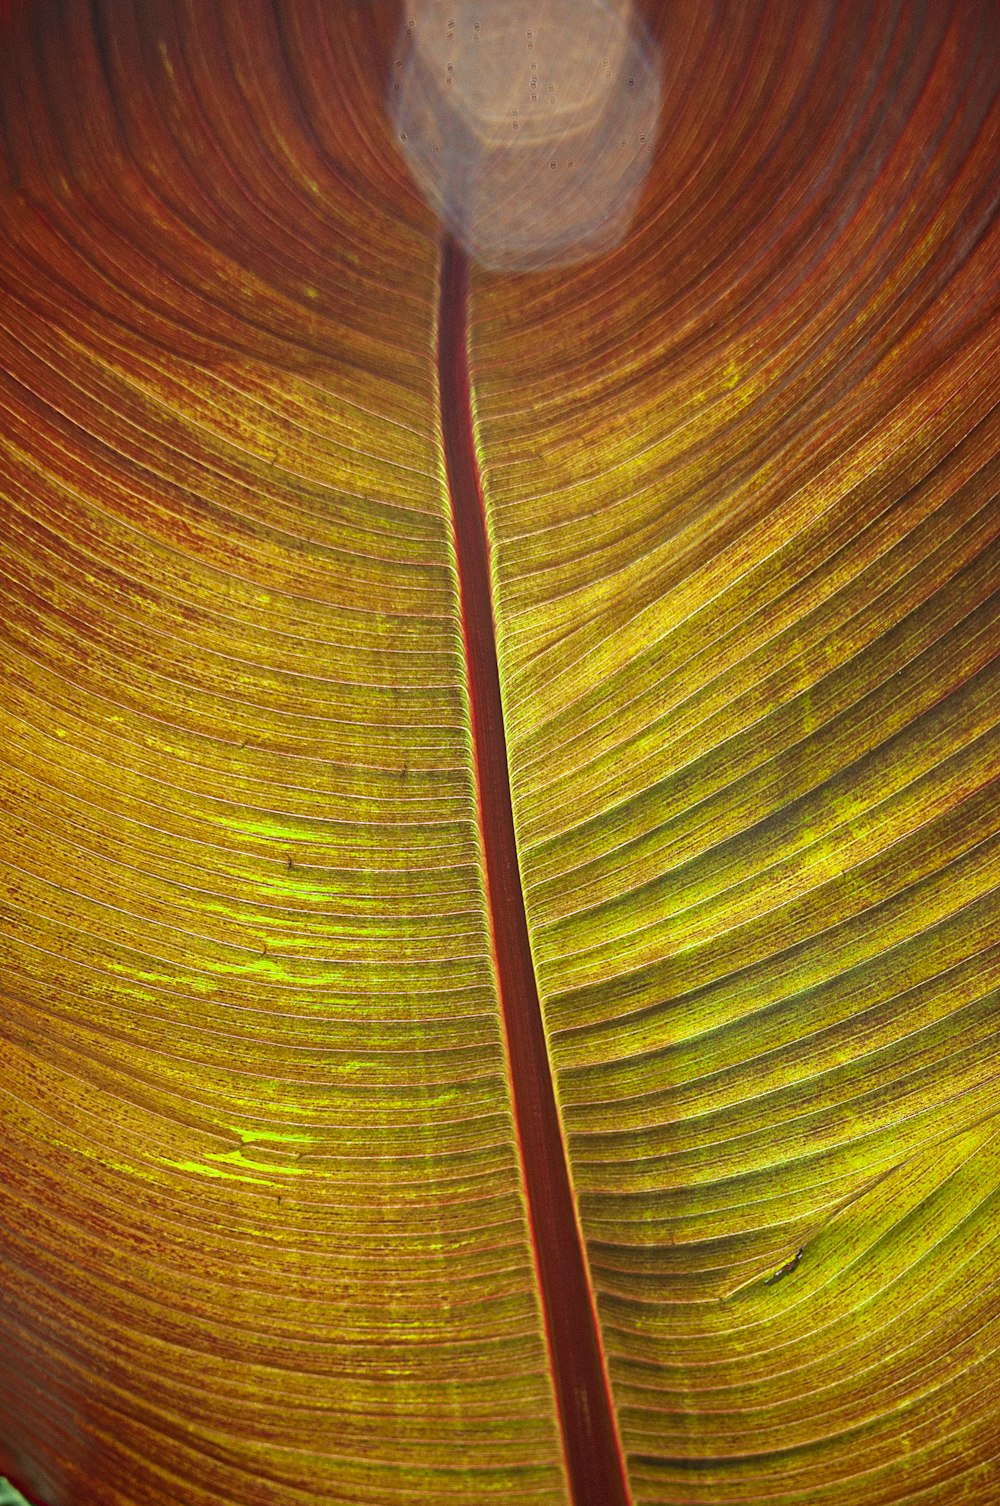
(499, 811)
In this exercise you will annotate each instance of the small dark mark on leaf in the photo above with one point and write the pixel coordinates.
(784, 1270)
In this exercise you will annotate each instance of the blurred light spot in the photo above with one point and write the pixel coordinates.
(528, 125)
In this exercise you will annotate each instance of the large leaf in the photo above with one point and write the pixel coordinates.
(499, 810)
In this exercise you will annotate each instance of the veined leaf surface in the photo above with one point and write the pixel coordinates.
(499, 803)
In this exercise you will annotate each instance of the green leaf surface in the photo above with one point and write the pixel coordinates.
(499, 806)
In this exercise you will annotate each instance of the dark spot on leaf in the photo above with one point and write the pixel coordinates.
(784, 1270)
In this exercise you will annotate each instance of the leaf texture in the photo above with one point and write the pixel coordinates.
(269, 1216)
(749, 654)
(264, 1235)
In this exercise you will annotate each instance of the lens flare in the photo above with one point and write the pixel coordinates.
(528, 125)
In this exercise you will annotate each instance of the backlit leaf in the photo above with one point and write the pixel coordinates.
(499, 813)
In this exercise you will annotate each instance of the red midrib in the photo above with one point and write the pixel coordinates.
(590, 1436)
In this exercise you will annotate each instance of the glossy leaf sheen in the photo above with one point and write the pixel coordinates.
(279, 1132)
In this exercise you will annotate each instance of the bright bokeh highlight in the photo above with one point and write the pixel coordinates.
(528, 126)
